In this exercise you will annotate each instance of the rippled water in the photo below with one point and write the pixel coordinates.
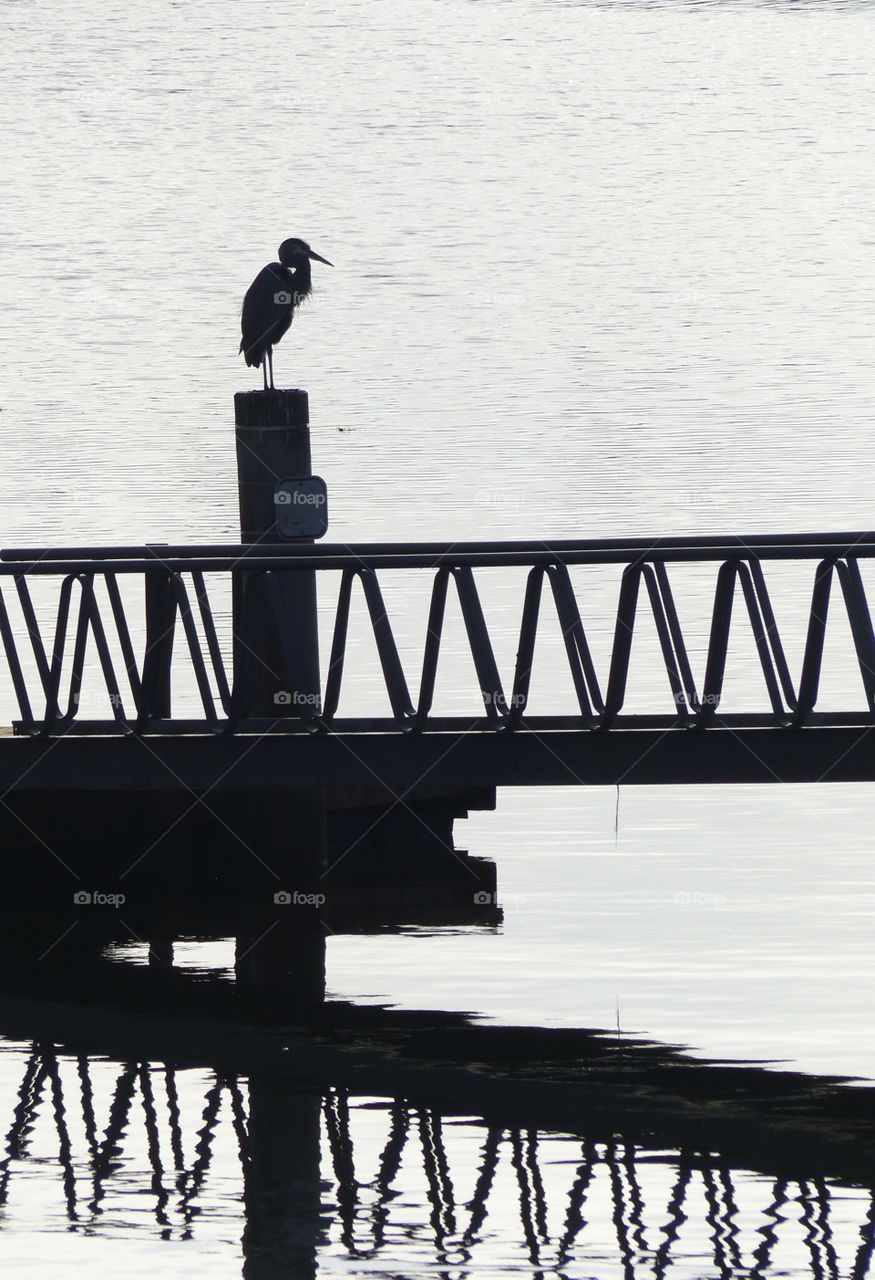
(255, 1173)
(601, 268)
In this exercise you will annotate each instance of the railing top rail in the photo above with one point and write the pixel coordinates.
(225, 557)
(855, 542)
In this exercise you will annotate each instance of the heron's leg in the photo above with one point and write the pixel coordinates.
(270, 361)
(264, 370)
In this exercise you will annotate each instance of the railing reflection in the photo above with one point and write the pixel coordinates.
(294, 1158)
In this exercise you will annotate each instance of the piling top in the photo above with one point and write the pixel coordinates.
(271, 409)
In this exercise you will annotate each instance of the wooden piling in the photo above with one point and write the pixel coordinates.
(273, 678)
(276, 675)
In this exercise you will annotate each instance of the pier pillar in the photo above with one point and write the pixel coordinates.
(273, 679)
(282, 1187)
(280, 957)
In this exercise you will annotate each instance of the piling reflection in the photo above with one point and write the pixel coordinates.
(392, 1187)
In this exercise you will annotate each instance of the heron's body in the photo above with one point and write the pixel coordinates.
(270, 303)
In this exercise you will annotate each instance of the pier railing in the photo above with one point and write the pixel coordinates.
(139, 649)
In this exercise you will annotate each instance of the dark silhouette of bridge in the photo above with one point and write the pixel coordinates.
(605, 1206)
(366, 1135)
(90, 599)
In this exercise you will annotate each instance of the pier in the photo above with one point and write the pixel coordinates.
(182, 694)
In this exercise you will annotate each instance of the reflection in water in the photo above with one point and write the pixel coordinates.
(375, 1186)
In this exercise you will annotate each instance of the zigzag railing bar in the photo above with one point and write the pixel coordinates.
(336, 1113)
(714, 1218)
(390, 662)
(33, 630)
(526, 1199)
(623, 1223)
(809, 680)
(111, 1147)
(718, 640)
(772, 634)
(574, 1219)
(208, 623)
(19, 684)
(860, 619)
(238, 1120)
(676, 1216)
(437, 1177)
(761, 641)
(204, 1149)
(150, 1116)
(478, 1204)
(434, 630)
(866, 1251)
(636, 1197)
(387, 1171)
(624, 630)
(526, 647)
(387, 650)
(53, 710)
(338, 646)
(124, 636)
(103, 651)
(88, 618)
(663, 631)
(481, 646)
(180, 591)
(23, 1119)
(195, 648)
(65, 1146)
(580, 661)
(676, 634)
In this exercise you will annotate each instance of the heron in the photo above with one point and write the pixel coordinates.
(270, 302)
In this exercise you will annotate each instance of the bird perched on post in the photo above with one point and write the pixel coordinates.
(270, 302)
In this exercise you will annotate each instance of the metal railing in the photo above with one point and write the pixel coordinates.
(175, 597)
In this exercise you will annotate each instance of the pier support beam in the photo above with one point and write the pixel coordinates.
(282, 1189)
(273, 678)
(276, 675)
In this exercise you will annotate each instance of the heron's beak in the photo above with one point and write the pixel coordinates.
(319, 258)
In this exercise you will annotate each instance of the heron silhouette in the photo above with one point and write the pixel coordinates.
(271, 300)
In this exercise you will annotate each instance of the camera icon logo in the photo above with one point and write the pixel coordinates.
(283, 698)
(82, 898)
(282, 897)
(282, 299)
(282, 499)
(482, 898)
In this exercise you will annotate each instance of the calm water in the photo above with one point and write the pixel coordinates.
(165, 1163)
(600, 268)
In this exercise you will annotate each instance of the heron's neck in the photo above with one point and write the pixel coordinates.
(303, 277)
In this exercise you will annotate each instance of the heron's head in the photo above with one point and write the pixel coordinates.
(292, 251)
